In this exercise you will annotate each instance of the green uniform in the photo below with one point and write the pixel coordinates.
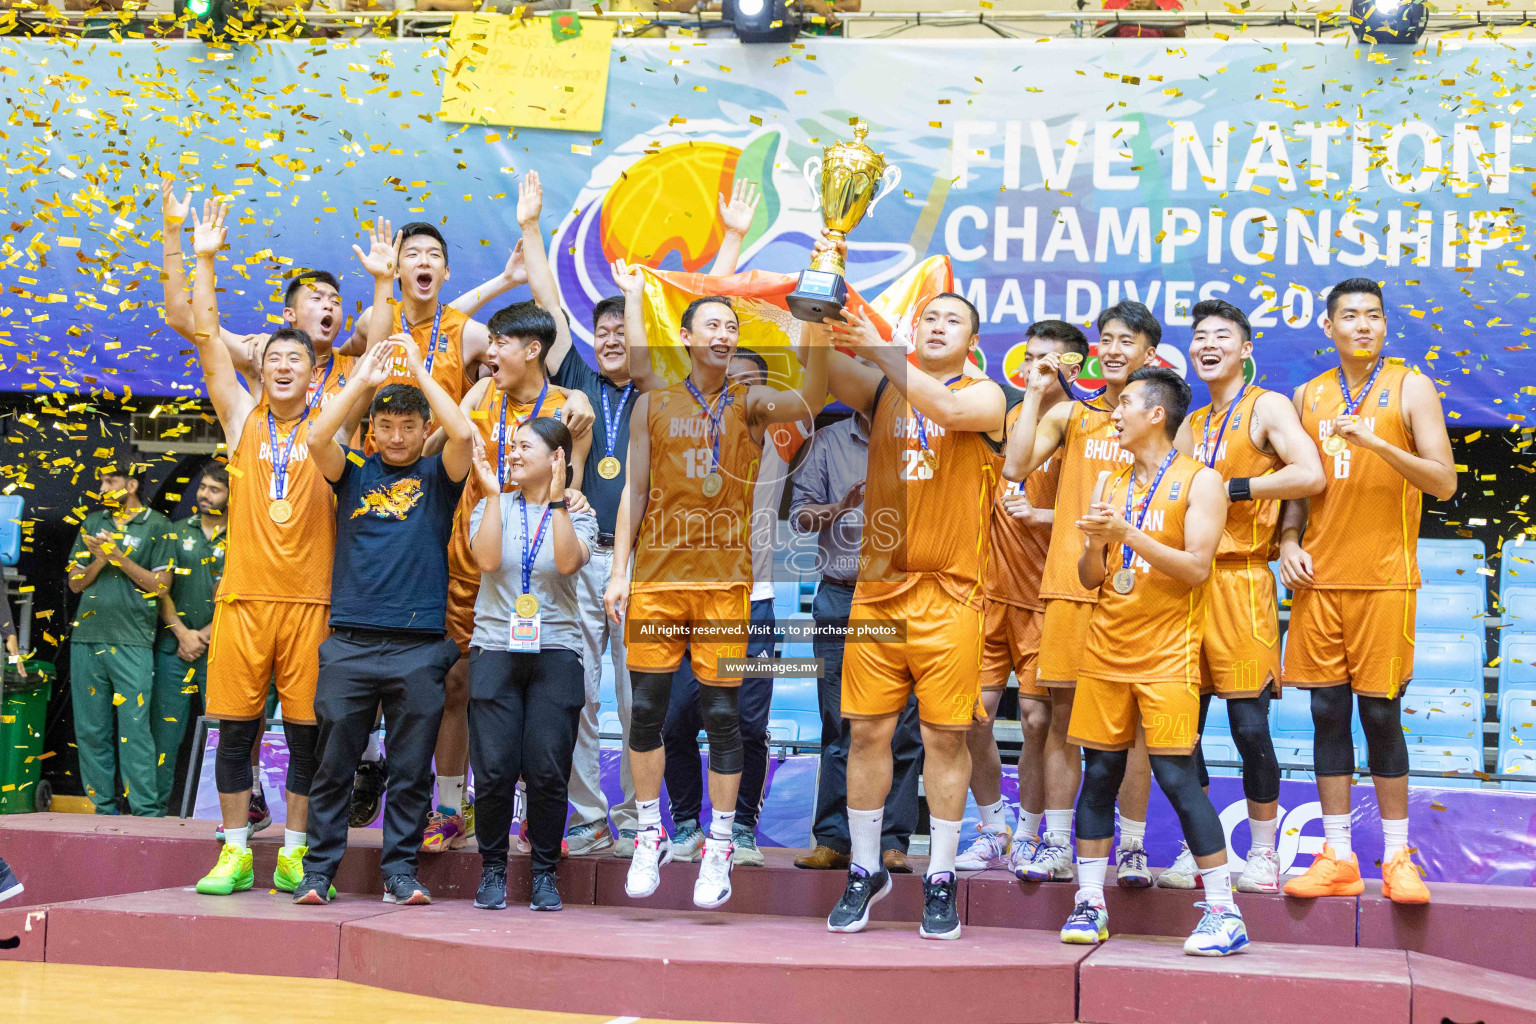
(199, 564)
(111, 662)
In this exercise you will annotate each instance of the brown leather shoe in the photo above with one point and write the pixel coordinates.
(895, 862)
(823, 858)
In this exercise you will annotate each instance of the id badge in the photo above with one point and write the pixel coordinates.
(525, 634)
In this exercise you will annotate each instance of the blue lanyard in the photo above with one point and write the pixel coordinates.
(713, 414)
(530, 551)
(319, 395)
(433, 344)
(611, 422)
(922, 430)
(1082, 394)
(501, 435)
(280, 468)
(1141, 514)
(1209, 454)
(1351, 404)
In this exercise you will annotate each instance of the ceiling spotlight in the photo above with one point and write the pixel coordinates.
(761, 21)
(1389, 21)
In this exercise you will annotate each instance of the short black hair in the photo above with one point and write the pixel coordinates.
(1068, 336)
(401, 399)
(304, 279)
(751, 356)
(613, 305)
(975, 313)
(291, 334)
(217, 472)
(1221, 310)
(704, 300)
(421, 227)
(526, 321)
(1134, 315)
(1167, 389)
(1354, 286)
(556, 435)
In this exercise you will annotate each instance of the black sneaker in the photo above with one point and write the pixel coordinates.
(492, 894)
(10, 885)
(367, 794)
(545, 894)
(864, 890)
(406, 890)
(941, 917)
(314, 891)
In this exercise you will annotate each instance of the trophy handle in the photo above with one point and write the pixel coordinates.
(888, 182)
(812, 172)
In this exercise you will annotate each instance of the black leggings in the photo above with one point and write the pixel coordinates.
(1179, 780)
(1249, 717)
(232, 758)
(1333, 748)
(718, 705)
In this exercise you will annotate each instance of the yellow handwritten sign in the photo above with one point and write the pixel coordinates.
(510, 71)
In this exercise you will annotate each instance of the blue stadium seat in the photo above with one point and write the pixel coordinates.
(1519, 601)
(1218, 746)
(786, 599)
(1452, 560)
(1458, 607)
(1280, 590)
(1443, 716)
(1446, 757)
(1517, 663)
(1517, 769)
(1447, 659)
(1517, 564)
(794, 726)
(795, 695)
(11, 508)
(1517, 724)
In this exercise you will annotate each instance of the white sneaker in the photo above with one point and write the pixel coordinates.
(1024, 850)
(713, 886)
(1052, 863)
(1131, 865)
(988, 850)
(651, 852)
(1184, 874)
(1262, 872)
(1221, 932)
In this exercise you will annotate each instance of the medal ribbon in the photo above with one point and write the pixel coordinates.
(501, 434)
(530, 551)
(922, 430)
(1353, 403)
(1081, 394)
(1208, 454)
(1141, 513)
(713, 412)
(434, 343)
(280, 467)
(319, 395)
(611, 423)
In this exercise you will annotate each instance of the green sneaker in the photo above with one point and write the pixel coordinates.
(233, 873)
(289, 873)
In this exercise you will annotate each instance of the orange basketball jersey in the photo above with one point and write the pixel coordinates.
(447, 366)
(1252, 532)
(1087, 448)
(487, 417)
(332, 377)
(1153, 634)
(689, 538)
(922, 520)
(269, 561)
(1018, 551)
(1363, 530)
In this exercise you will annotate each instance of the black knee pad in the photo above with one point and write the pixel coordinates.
(1386, 749)
(648, 709)
(232, 758)
(302, 743)
(1333, 748)
(1103, 771)
(1205, 710)
(1249, 719)
(1179, 780)
(722, 724)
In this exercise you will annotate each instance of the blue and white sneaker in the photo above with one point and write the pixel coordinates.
(1024, 850)
(1131, 865)
(1087, 926)
(1052, 863)
(1221, 932)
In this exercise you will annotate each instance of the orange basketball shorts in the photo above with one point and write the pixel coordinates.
(1360, 637)
(1063, 638)
(254, 642)
(659, 625)
(1106, 712)
(1012, 644)
(1241, 651)
(939, 660)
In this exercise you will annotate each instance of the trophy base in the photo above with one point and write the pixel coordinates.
(818, 296)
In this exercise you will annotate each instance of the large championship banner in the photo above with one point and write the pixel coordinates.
(1060, 176)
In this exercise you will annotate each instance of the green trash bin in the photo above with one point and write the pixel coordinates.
(23, 720)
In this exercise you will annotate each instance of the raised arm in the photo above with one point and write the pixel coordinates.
(626, 529)
(375, 323)
(231, 402)
(485, 521)
(367, 374)
(770, 405)
(1431, 467)
(541, 276)
(736, 217)
(569, 550)
(458, 433)
(979, 408)
(631, 281)
(173, 273)
(1033, 439)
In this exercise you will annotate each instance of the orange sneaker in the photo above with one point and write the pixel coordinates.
(1328, 876)
(1400, 881)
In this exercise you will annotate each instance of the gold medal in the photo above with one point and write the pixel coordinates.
(1070, 358)
(280, 511)
(930, 459)
(1124, 581)
(712, 485)
(608, 467)
(1333, 444)
(527, 606)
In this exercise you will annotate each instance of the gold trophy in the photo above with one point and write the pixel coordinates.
(850, 178)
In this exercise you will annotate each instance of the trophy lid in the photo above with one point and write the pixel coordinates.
(857, 149)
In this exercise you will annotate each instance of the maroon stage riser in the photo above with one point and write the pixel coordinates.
(1445, 990)
(78, 856)
(1150, 980)
(28, 926)
(708, 966)
(1490, 926)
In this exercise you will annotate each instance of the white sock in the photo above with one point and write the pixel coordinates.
(240, 837)
(1058, 827)
(1132, 829)
(943, 844)
(864, 838)
(293, 840)
(1263, 833)
(1218, 885)
(450, 793)
(1394, 834)
(995, 815)
(375, 751)
(1090, 879)
(1336, 833)
(1029, 825)
(649, 813)
(720, 824)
